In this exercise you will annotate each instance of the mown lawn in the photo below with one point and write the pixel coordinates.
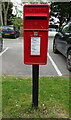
(17, 98)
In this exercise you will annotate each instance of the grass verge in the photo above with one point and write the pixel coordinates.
(17, 98)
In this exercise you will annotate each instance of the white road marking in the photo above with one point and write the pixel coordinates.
(55, 66)
(4, 51)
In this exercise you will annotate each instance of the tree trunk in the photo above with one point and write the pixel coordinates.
(1, 13)
(5, 19)
(69, 16)
(5, 11)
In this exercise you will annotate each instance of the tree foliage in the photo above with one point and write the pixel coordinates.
(17, 21)
(39, 2)
(61, 10)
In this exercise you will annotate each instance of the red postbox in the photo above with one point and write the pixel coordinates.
(36, 23)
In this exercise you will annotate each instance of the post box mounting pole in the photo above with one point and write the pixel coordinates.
(35, 82)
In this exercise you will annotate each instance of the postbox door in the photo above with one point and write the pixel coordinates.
(35, 48)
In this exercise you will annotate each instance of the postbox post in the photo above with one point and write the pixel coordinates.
(35, 84)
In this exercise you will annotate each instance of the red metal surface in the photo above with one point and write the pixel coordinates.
(36, 18)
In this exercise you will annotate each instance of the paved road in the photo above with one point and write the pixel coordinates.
(11, 61)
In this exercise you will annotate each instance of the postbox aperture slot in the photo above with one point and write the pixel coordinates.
(36, 17)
